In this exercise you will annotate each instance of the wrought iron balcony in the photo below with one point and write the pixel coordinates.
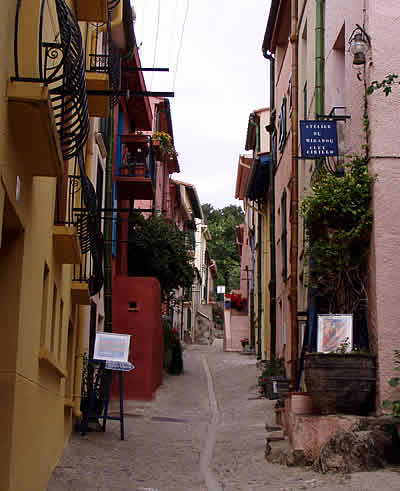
(112, 4)
(80, 209)
(104, 70)
(49, 69)
(135, 177)
(95, 10)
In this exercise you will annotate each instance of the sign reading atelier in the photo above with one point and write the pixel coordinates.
(318, 139)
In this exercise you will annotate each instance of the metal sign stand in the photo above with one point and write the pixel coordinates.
(111, 351)
(92, 400)
(121, 403)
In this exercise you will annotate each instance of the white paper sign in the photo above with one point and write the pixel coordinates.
(111, 346)
(334, 331)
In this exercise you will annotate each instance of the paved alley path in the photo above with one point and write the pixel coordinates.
(204, 432)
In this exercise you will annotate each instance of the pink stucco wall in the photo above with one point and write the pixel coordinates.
(385, 164)
(309, 432)
(384, 297)
(236, 328)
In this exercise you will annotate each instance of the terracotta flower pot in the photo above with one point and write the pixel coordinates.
(301, 403)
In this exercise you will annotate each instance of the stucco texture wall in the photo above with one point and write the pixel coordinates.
(383, 111)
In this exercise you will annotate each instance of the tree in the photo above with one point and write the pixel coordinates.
(222, 247)
(157, 248)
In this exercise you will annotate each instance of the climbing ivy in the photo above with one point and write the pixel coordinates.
(338, 221)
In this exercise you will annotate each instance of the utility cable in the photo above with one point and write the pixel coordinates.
(173, 31)
(180, 44)
(156, 41)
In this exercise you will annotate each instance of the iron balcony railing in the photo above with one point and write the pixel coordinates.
(58, 64)
(80, 208)
(112, 4)
(108, 61)
(139, 164)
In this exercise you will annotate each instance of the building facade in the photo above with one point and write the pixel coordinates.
(315, 76)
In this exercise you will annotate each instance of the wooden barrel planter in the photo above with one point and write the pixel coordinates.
(340, 383)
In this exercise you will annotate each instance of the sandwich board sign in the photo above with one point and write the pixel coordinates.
(111, 347)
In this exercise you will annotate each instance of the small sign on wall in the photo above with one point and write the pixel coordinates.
(318, 139)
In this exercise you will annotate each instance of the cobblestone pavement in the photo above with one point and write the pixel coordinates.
(204, 431)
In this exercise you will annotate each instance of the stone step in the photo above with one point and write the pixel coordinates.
(269, 427)
(273, 436)
(280, 452)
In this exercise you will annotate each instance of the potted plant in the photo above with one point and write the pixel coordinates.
(163, 144)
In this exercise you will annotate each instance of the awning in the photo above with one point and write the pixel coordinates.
(258, 180)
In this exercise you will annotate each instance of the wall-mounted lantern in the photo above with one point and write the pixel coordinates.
(360, 43)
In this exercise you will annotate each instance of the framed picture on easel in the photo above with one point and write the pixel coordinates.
(335, 331)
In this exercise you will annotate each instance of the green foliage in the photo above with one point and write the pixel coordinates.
(166, 144)
(173, 361)
(222, 247)
(157, 248)
(338, 221)
(386, 84)
(394, 382)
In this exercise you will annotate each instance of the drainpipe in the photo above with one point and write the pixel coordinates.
(252, 323)
(272, 283)
(78, 364)
(109, 204)
(294, 199)
(319, 110)
(259, 278)
(108, 226)
(254, 123)
(319, 59)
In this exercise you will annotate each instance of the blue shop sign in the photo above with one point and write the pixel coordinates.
(318, 139)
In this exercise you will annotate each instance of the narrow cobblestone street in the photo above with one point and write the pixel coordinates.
(204, 431)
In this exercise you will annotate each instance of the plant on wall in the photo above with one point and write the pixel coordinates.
(237, 301)
(338, 221)
(394, 382)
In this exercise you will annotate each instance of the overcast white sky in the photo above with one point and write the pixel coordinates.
(221, 77)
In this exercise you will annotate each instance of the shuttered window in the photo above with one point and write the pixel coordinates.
(283, 125)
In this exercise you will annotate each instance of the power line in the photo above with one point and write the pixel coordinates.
(173, 31)
(180, 43)
(156, 40)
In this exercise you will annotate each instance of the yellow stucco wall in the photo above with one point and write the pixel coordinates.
(41, 336)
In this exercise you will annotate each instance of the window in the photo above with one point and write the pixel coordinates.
(53, 320)
(284, 234)
(60, 329)
(45, 299)
(282, 125)
(290, 95)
